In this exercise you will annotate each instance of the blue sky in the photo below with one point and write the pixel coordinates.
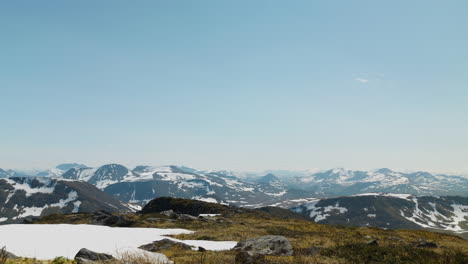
(245, 85)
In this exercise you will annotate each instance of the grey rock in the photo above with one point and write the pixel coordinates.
(252, 250)
(169, 213)
(187, 217)
(8, 255)
(106, 218)
(373, 242)
(425, 244)
(153, 219)
(86, 256)
(157, 246)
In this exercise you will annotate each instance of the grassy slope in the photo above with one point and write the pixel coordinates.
(340, 244)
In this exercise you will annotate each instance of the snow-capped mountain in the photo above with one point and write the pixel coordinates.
(59, 170)
(4, 174)
(145, 183)
(444, 213)
(101, 177)
(347, 182)
(22, 198)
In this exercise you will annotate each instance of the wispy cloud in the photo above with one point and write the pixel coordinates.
(361, 80)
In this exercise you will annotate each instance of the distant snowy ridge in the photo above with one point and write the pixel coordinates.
(447, 213)
(145, 183)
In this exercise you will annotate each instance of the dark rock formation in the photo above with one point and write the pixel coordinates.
(157, 246)
(86, 256)
(184, 206)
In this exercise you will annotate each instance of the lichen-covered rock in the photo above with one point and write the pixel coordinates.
(425, 244)
(169, 213)
(253, 250)
(157, 246)
(86, 256)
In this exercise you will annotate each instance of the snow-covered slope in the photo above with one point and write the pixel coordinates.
(39, 196)
(4, 174)
(447, 213)
(59, 170)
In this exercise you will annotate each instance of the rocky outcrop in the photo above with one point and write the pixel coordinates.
(253, 250)
(86, 256)
(4, 254)
(422, 243)
(157, 246)
(184, 206)
(106, 218)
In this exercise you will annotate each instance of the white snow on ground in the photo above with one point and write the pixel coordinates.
(396, 195)
(277, 194)
(205, 199)
(66, 240)
(434, 219)
(37, 211)
(208, 215)
(321, 213)
(85, 174)
(134, 207)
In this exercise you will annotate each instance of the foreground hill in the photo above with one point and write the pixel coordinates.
(24, 198)
(444, 213)
(311, 242)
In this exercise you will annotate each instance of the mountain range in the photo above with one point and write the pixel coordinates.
(347, 182)
(143, 183)
(380, 198)
(391, 211)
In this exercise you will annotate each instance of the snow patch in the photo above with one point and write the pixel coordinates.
(28, 240)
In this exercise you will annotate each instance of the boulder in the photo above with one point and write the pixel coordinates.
(106, 218)
(373, 242)
(169, 213)
(11, 255)
(187, 217)
(157, 246)
(184, 206)
(6, 254)
(425, 244)
(86, 256)
(253, 250)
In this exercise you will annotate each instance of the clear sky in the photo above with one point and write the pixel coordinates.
(247, 85)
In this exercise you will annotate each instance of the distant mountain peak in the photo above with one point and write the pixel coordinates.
(66, 166)
(384, 170)
(270, 177)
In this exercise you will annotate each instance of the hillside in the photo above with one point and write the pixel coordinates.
(311, 242)
(393, 211)
(24, 198)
